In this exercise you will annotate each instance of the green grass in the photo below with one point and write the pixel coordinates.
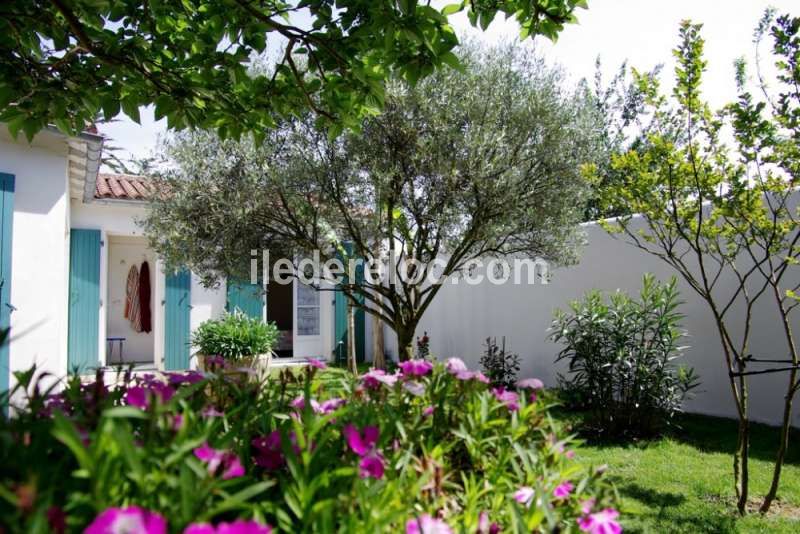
(684, 482)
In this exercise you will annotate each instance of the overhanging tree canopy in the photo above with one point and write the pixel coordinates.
(66, 61)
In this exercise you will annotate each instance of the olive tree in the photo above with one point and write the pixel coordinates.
(482, 162)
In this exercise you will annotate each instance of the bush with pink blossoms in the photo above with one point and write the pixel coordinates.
(428, 448)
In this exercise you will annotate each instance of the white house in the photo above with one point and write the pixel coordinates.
(69, 237)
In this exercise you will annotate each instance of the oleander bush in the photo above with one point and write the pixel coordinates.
(429, 448)
(235, 336)
(621, 354)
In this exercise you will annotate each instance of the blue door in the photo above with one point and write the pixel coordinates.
(6, 219)
(340, 319)
(84, 300)
(245, 297)
(178, 305)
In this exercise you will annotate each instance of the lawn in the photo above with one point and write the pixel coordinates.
(683, 482)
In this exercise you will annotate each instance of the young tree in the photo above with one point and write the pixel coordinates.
(464, 165)
(64, 61)
(716, 214)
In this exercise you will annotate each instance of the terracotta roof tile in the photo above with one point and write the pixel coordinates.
(122, 187)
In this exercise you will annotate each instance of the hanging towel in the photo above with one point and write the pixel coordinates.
(132, 293)
(144, 297)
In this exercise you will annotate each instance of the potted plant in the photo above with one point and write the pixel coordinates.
(234, 340)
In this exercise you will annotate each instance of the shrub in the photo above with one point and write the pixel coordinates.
(620, 353)
(501, 366)
(235, 336)
(315, 450)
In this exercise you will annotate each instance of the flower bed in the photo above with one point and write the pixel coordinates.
(431, 448)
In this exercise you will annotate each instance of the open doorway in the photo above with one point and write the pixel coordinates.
(280, 310)
(131, 297)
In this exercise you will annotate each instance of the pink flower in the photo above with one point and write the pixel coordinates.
(137, 396)
(359, 443)
(587, 505)
(563, 490)
(189, 377)
(428, 411)
(530, 383)
(210, 411)
(372, 465)
(509, 398)
(269, 454)
(331, 405)
(415, 367)
(427, 525)
(313, 362)
(484, 527)
(480, 377)
(177, 422)
(601, 523)
(214, 459)
(415, 388)
(524, 496)
(140, 396)
(239, 526)
(130, 520)
(455, 366)
(375, 377)
(570, 454)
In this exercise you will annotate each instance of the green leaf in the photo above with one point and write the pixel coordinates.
(451, 9)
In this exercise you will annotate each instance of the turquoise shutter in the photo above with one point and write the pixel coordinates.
(6, 220)
(340, 320)
(178, 304)
(246, 297)
(84, 300)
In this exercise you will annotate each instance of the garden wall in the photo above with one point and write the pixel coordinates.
(462, 317)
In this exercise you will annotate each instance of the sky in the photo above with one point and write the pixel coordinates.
(642, 32)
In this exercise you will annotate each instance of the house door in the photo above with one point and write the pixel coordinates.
(6, 219)
(178, 305)
(246, 297)
(84, 300)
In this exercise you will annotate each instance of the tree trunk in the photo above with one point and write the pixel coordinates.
(405, 343)
(351, 342)
(741, 458)
(378, 359)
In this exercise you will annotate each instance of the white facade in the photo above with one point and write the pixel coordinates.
(49, 200)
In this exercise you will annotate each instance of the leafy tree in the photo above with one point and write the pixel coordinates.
(66, 61)
(716, 213)
(464, 165)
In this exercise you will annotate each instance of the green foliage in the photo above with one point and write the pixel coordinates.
(462, 165)
(499, 365)
(235, 336)
(620, 353)
(66, 62)
(453, 451)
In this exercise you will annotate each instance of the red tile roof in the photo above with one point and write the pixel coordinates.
(122, 187)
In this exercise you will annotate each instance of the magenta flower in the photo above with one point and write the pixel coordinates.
(455, 366)
(586, 506)
(239, 526)
(130, 520)
(374, 378)
(269, 454)
(299, 404)
(415, 367)
(210, 411)
(359, 443)
(415, 388)
(428, 411)
(137, 396)
(140, 396)
(530, 383)
(603, 522)
(189, 377)
(364, 445)
(509, 398)
(313, 362)
(426, 524)
(331, 405)
(524, 496)
(372, 465)
(214, 459)
(480, 377)
(563, 490)
(484, 527)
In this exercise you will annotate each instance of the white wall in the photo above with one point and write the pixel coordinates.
(39, 283)
(207, 303)
(462, 317)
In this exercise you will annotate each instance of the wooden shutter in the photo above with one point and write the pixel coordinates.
(84, 300)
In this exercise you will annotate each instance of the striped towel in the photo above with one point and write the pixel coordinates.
(132, 310)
